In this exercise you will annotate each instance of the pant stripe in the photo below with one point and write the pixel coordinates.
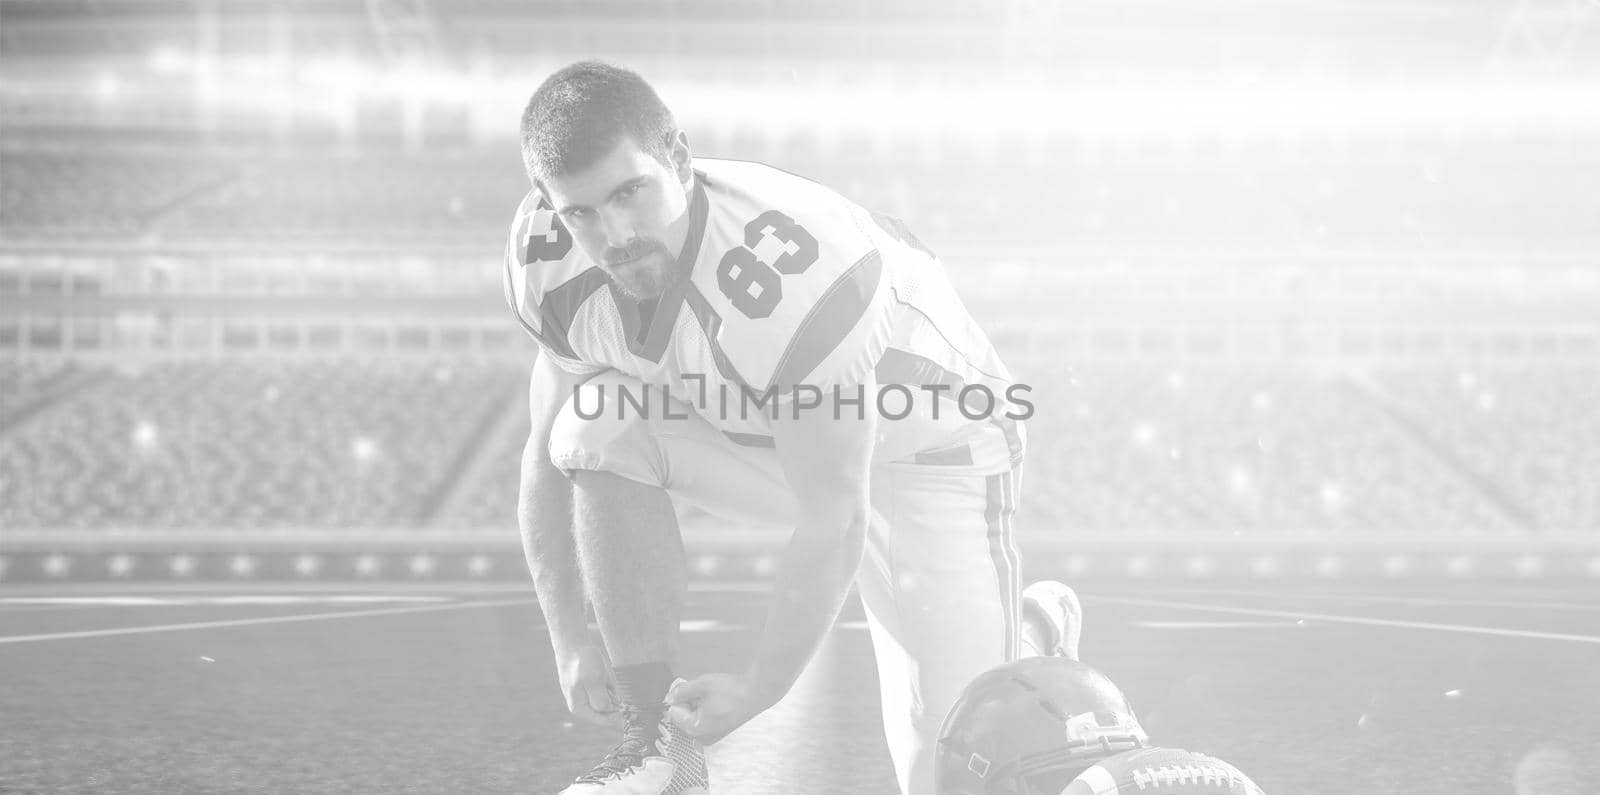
(1013, 488)
(1000, 554)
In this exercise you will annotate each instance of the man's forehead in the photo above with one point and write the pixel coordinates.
(593, 183)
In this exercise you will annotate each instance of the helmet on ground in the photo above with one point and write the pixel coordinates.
(1029, 727)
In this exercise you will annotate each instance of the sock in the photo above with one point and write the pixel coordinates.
(643, 685)
(1035, 641)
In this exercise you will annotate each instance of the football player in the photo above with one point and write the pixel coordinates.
(730, 336)
(1054, 726)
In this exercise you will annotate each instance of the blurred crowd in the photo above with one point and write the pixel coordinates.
(1001, 193)
(1127, 450)
(255, 445)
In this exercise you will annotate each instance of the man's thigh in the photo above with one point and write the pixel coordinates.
(944, 581)
(694, 462)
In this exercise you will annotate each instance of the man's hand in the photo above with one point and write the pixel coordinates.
(586, 683)
(710, 706)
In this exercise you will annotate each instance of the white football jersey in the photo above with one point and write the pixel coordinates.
(794, 292)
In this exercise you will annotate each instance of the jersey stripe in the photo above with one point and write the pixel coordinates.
(711, 324)
(511, 301)
(903, 367)
(560, 306)
(750, 439)
(830, 321)
(665, 319)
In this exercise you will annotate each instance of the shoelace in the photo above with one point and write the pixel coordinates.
(641, 729)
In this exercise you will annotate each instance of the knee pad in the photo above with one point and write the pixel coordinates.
(604, 441)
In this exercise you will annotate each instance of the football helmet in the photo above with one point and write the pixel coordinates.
(1029, 727)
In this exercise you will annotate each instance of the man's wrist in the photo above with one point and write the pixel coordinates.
(566, 645)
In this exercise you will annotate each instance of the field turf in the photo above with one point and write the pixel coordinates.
(1311, 688)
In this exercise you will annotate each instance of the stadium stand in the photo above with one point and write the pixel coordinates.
(1238, 451)
(256, 445)
(362, 198)
(250, 194)
(1232, 451)
(1530, 431)
(61, 193)
(1207, 448)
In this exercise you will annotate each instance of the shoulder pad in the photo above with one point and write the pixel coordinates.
(795, 278)
(542, 270)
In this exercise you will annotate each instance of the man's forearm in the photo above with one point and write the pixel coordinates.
(544, 513)
(812, 584)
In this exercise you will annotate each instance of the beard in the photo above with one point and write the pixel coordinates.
(644, 270)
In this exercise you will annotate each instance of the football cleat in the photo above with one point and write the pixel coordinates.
(1053, 611)
(654, 758)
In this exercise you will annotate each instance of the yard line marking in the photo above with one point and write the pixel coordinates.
(267, 600)
(219, 587)
(1420, 601)
(705, 625)
(713, 625)
(1372, 622)
(245, 622)
(1216, 624)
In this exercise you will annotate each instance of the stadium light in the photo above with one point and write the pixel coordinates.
(181, 565)
(262, 67)
(337, 73)
(145, 435)
(1076, 565)
(121, 565)
(56, 565)
(1240, 481)
(368, 565)
(242, 565)
(707, 565)
(107, 87)
(1264, 566)
(1332, 496)
(169, 60)
(1138, 566)
(1144, 434)
(422, 565)
(306, 564)
(1262, 108)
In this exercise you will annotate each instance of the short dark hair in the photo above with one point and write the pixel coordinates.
(583, 111)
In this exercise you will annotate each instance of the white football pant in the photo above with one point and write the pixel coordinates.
(939, 578)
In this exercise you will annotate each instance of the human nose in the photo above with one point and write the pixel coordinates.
(617, 227)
